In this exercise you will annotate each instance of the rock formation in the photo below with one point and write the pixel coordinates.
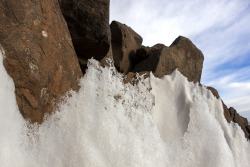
(182, 55)
(41, 59)
(88, 22)
(39, 54)
(125, 42)
(130, 56)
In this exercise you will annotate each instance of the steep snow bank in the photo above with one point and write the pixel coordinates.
(159, 122)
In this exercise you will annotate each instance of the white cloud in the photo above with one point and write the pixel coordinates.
(163, 21)
(219, 28)
(234, 89)
(246, 115)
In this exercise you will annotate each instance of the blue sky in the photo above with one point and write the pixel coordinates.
(219, 28)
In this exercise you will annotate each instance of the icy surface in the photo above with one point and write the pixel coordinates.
(158, 122)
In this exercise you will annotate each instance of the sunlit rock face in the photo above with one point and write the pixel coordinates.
(162, 60)
(131, 56)
(38, 54)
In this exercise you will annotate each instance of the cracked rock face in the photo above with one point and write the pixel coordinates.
(38, 54)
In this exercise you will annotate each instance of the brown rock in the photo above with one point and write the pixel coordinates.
(147, 59)
(129, 78)
(88, 22)
(108, 59)
(248, 128)
(39, 54)
(182, 54)
(146, 52)
(226, 112)
(214, 92)
(134, 78)
(125, 42)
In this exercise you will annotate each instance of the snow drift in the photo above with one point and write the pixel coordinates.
(158, 122)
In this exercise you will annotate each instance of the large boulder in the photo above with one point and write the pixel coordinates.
(125, 42)
(88, 22)
(38, 54)
(162, 60)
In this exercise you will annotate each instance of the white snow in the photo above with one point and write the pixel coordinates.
(12, 128)
(159, 122)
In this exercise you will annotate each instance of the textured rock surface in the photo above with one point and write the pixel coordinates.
(125, 42)
(39, 54)
(133, 78)
(214, 92)
(182, 54)
(147, 52)
(248, 129)
(88, 22)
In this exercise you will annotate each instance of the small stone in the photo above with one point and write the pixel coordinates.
(45, 35)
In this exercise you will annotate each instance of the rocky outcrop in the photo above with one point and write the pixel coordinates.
(40, 57)
(162, 60)
(125, 42)
(39, 54)
(130, 56)
(232, 115)
(88, 22)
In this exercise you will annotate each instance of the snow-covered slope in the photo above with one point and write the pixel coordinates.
(158, 122)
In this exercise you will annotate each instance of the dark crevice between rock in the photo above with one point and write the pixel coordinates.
(88, 23)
